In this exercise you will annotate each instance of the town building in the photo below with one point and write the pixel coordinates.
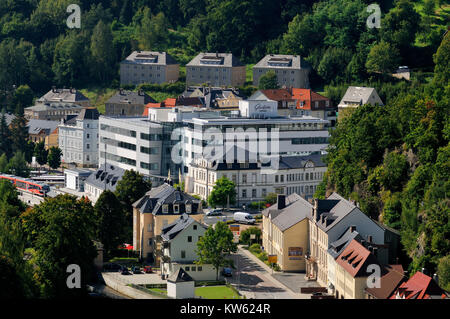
(329, 219)
(285, 231)
(43, 131)
(286, 104)
(311, 103)
(291, 70)
(389, 283)
(158, 208)
(79, 138)
(356, 96)
(419, 286)
(64, 96)
(179, 242)
(353, 267)
(52, 111)
(127, 103)
(180, 285)
(104, 178)
(215, 97)
(149, 67)
(295, 174)
(216, 69)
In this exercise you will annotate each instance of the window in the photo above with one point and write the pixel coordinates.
(195, 227)
(194, 268)
(183, 255)
(88, 135)
(87, 146)
(253, 193)
(199, 268)
(189, 239)
(165, 208)
(176, 208)
(244, 193)
(187, 268)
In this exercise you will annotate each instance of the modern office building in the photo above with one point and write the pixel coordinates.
(148, 67)
(216, 69)
(291, 70)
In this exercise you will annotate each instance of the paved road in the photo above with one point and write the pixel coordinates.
(255, 282)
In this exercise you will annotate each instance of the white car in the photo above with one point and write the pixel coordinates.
(214, 212)
(244, 218)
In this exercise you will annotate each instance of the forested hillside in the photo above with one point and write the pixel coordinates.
(394, 161)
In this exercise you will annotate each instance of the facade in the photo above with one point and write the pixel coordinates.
(180, 285)
(127, 103)
(286, 104)
(158, 208)
(311, 103)
(65, 96)
(179, 241)
(104, 178)
(216, 69)
(79, 138)
(330, 218)
(291, 70)
(352, 271)
(285, 231)
(295, 174)
(148, 67)
(356, 96)
(52, 111)
(74, 179)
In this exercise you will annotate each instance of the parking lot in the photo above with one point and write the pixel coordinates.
(137, 279)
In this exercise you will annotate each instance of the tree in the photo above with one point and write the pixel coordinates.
(5, 135)
(152, 31)
(22, 98)
(442, 60)
(19, 133)
(54, 157)
(271, 198)
(428, 7)
(245, 237)
(126, 12)
(444, 272)
(110, 221)
(268, 81)
(61, 231)
(10, 280)
(10, 205)
(18, 165)
(103, 54)
(40, 153)
(215, 245)
(383, 58)
(223, 193)
(3, 163)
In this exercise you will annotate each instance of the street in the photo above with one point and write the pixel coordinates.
(253, 281)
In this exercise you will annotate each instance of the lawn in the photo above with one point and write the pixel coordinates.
(98, 97)
(249, 73)
(216, 292)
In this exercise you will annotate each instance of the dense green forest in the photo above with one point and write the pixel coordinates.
(395, 162)
(39, 50)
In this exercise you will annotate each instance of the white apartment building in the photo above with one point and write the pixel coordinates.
(295, 174)
(79, 138)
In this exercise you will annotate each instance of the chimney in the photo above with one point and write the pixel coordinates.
(121, 91)
(369, 238)
(281, 201)
(140, 92)
(375, 251)
(54, 89)
(370, 248)
(352, 228)
(436, 278)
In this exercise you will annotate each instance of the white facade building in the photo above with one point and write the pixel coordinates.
(78, 139)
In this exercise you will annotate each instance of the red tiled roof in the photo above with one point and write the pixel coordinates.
(278, 94)
(307, 96)
(419, 286)
(355, 258)
(388, 282)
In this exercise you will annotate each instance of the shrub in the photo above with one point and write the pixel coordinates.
(255, 249)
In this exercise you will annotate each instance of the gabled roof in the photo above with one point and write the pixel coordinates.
(292, 214)
(332, 210)
(222, 60)
(37, 126)
(179, 276)
(419, 286)
(389, 282)
(307, 96)
(106, 178)
(281, 61)
(358, 95)
(63, 95)
(277, 94)
(171, 231)
(338, 246)
(355, 259)
(131, 97)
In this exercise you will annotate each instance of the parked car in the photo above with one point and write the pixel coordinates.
(148, 269)
(244, 218)
(125, 271)
(227, 272)
(214, 212)
(136, 270)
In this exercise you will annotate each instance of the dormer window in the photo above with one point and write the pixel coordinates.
(165, 208)
(176, 208)
(188, 208)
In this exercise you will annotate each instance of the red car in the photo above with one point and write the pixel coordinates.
(148, 269)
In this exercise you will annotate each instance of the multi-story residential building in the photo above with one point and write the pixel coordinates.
(295, 174)
(285, 231)
(353, 267)
(157, 209)
(216, 69)
(356, 96)
(52, 111)
(329, 219)
(179, 245)
(104, 178)
(43, 131)
(149, 67)
(291, 70)
(64, 96)
(127, 103)
(79, 138)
